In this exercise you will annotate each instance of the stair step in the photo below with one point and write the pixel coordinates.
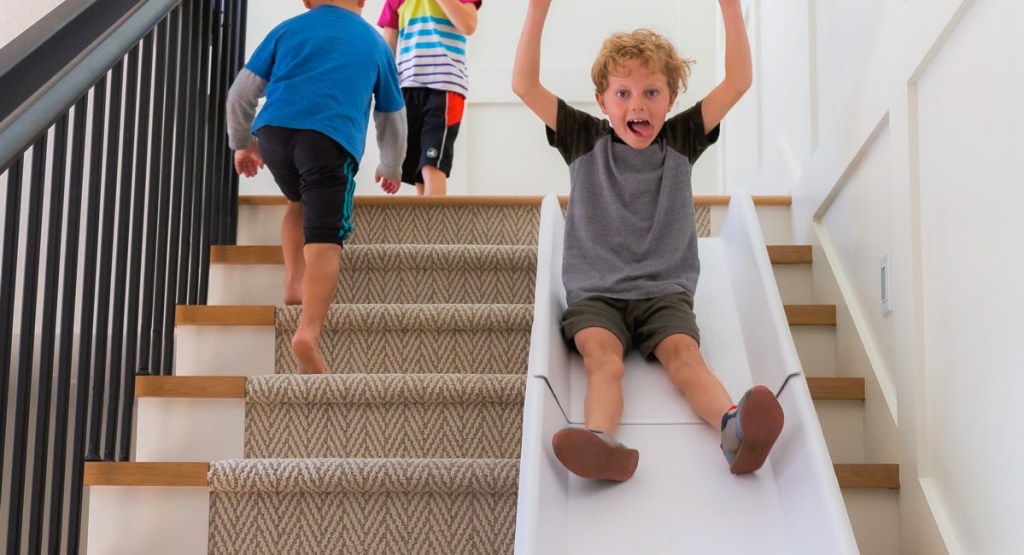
(190, 387)
(224, 315)
(363, 505)
(470, 200)
(413, 274)
(416, 339)
(868, 476)
(145, 474)
(811, 314)
(850, 476)
(790, 254)
(834, 389)
(371, 416)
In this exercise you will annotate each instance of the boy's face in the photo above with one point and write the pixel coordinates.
(636, 102)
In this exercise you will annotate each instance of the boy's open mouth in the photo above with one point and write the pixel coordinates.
(640, 127)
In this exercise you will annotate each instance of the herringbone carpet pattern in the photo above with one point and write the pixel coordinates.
(411, 444)
(363, 506)
(415, 339)
(446, 225)
(437, 274)
(442, 416)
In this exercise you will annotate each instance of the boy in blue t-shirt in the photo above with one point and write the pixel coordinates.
(629, 262)
(319, 72)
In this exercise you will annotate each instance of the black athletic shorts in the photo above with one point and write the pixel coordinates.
(313, 169)
(434, 118)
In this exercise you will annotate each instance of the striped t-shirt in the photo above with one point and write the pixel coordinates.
(431, 51)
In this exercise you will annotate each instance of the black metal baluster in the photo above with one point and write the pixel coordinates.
(124, 181)
(157, 205)
(67, 337)
(181, 217)
(54, 238)
(26, 348)
(143, 195)
(163, 351)
(8, 281)
(106, 253)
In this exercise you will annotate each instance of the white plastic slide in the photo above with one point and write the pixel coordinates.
(682, 499)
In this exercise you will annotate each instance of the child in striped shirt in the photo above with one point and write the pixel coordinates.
(429, 40)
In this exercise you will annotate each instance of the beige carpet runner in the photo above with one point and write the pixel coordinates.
(411, 445)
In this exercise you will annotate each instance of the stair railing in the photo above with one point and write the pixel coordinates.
(115, 179)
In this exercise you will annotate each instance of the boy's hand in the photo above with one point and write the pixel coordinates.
(248, 161)
(389, 186)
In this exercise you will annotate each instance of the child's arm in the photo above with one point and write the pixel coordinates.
(243, 97)
(391, 141)
(463, 15)
(391, 37)
(526, 72)
(738, 69)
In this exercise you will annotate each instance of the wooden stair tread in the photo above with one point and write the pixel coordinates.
(271, 254)
(486, 200)
(246, 254)
(811, 314)
(226, 315)
(146, 474)
(790, 254)
(850, 476)
(191, 387)
(836, 388)
(868, 476)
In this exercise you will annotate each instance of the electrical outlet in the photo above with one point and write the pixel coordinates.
(885, 275)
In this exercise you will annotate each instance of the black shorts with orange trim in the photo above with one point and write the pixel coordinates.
(434, 117)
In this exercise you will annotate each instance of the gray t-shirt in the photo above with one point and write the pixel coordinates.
(630, 231)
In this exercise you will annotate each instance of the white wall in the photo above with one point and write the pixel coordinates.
(501, 148)
(895, 127)
(19, 15)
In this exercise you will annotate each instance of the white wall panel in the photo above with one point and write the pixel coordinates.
(970, 173)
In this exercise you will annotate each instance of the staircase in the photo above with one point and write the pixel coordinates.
(411, 444)
(870, 489)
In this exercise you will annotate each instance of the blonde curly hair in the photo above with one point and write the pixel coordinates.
(654, 52)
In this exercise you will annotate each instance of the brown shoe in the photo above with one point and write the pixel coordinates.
(750, 431)
(594, 455)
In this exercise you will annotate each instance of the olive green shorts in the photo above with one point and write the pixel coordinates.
(640, 322)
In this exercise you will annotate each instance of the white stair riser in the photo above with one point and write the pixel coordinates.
(259, 225)
(816, 346)
(189, 429)
(151, 520)
(224, 350)
(875, 518)
(775, 224)
(842, 422)
(794, 281)
(246, 284)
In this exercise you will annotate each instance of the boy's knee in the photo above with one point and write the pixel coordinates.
(679, 350)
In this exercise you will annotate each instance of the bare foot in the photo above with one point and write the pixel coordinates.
(293, 295)
(307, 355)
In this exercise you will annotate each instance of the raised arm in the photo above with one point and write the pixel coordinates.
(738, 68)
(462, 14)
(526, 73)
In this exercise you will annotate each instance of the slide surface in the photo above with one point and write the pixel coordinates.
(682, 499)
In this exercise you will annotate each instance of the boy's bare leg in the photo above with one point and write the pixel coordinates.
(602, 359)
(292, 241)
(680, 355)
(435, 182)
(318, 285)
